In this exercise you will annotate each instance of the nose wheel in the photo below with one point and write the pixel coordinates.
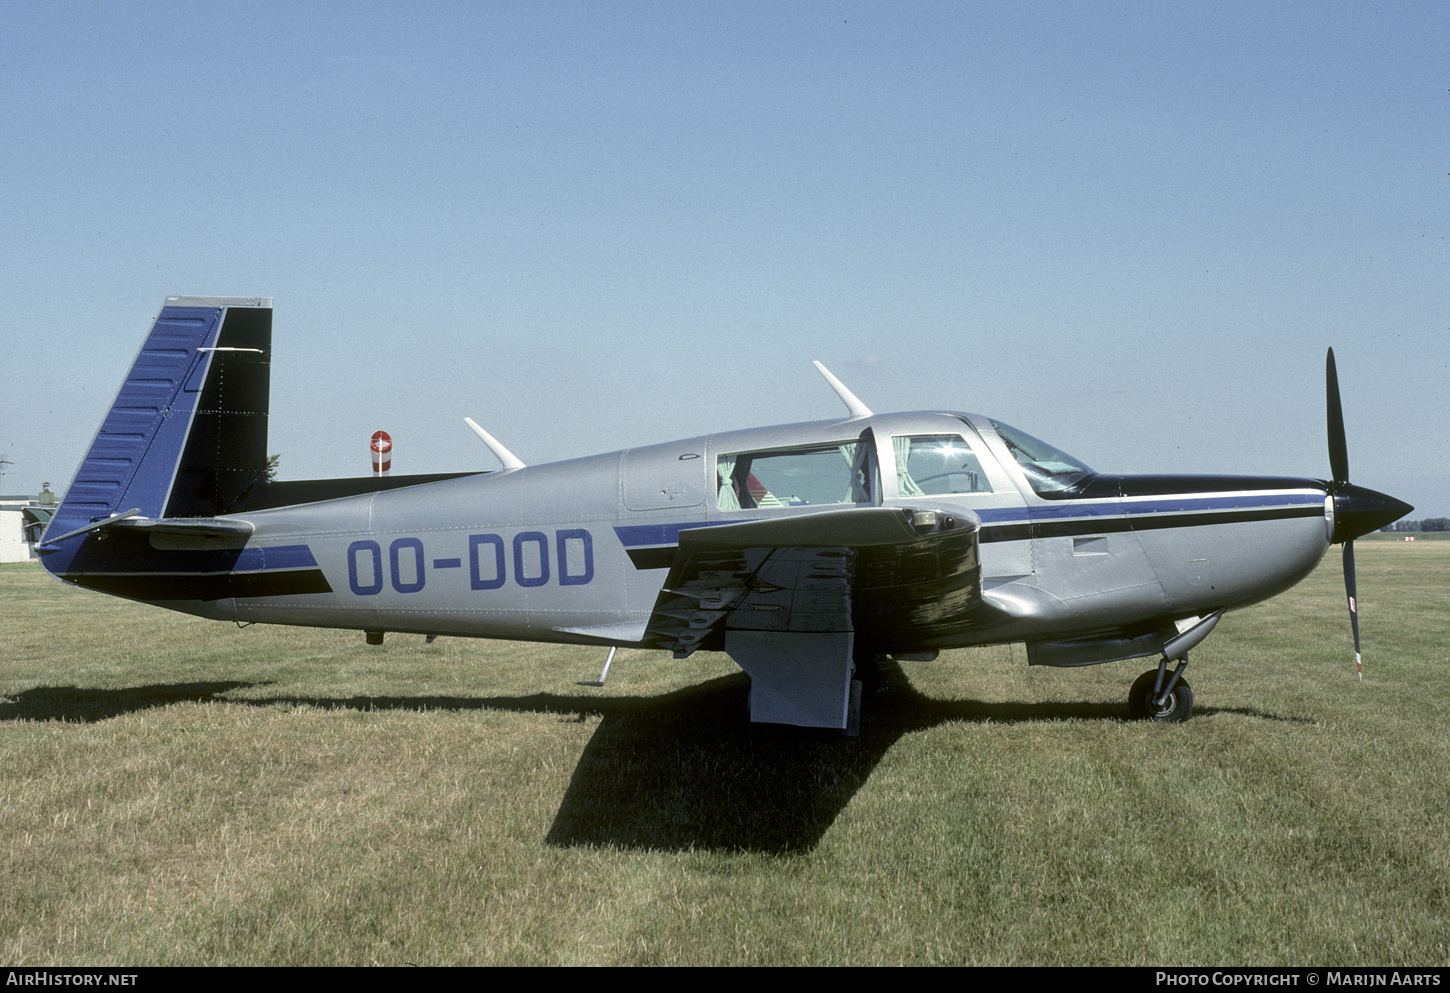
(1147, 702)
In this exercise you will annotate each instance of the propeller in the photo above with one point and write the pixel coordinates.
(1357, 510)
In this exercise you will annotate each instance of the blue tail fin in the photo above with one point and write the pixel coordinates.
(187, 434)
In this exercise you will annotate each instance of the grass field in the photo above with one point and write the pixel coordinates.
(178, 791)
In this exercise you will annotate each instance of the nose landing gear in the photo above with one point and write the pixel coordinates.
(1156, 698)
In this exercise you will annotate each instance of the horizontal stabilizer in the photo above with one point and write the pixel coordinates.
(170, 532)
(201, 526)
(92, 526)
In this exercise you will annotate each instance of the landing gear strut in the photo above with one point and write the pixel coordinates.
(1158, 696)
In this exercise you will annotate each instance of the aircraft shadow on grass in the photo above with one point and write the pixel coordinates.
(86, 705)
(676, 772)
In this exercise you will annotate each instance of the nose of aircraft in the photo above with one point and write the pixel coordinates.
(1359, 510)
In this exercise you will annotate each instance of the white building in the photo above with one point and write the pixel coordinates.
(12, 539)
(15, 513)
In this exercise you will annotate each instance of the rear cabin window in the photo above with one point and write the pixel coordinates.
(937, 465)
(794, 477)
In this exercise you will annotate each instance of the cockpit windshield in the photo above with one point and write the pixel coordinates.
(1048, 469)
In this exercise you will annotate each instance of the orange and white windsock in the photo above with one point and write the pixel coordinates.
(382, 446)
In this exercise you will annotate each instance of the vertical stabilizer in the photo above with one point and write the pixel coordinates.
(187, 433)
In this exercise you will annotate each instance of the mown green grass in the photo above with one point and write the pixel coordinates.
(176, 791)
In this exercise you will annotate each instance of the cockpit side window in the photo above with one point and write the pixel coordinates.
(937, 465)
(794, 477)
(1048, 469)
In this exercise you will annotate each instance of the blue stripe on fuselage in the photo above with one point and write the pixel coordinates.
(276, 557)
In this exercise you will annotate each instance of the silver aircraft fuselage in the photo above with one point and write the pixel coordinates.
(798, 549)
(577, 551)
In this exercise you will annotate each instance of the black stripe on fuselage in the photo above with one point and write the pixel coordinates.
(1105, 487)
(219, 586)
(1139, 522)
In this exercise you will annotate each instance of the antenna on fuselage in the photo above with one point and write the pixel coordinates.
(852, 402)
(508, 458)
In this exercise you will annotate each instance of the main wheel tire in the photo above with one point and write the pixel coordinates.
(1177, 707)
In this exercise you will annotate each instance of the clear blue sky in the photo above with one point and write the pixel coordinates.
(1130, 229)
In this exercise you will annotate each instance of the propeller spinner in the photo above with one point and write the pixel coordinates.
(1357, 510)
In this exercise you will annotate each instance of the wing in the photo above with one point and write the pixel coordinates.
(793, 599)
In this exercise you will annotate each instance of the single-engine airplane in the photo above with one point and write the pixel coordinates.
(806, 552)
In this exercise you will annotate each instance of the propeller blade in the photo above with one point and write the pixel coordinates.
(1338, 450)
(1349, 592)
(1357, 510)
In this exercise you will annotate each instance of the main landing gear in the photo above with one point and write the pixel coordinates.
(1159, 696)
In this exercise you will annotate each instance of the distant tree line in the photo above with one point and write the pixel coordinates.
(1428, 524)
